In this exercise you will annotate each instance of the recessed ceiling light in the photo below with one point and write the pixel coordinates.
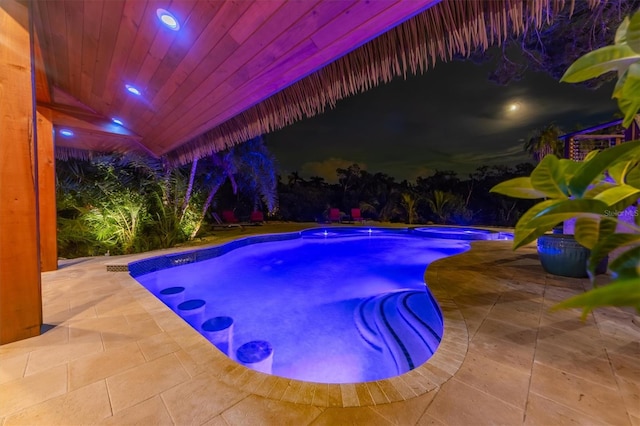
(133, 89)
(168, 20)
(117, 121)
(66, 132)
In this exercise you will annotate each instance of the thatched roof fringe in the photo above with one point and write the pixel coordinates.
(449, 28)
(64, 153)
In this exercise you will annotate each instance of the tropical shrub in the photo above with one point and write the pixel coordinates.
(597, 190)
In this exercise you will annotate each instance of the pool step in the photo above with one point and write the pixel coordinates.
(406, 324)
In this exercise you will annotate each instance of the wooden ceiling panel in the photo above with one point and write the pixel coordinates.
(132, 16)
(203, 55)
(260, 47)
(227, 56)
(285, 68)
(92, 15)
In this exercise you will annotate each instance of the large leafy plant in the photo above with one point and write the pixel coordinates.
(598, 191)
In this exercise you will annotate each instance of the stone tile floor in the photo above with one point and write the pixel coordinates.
(113, 354)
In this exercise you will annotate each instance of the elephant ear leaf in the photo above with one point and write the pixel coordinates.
(624, 292)
(617, 57)
(631, 34)
(549, 177)
(518, 188)
(590, 170)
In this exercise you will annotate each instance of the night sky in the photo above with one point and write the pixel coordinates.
(450, 118)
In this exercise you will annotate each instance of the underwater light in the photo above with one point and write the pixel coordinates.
(168, 20)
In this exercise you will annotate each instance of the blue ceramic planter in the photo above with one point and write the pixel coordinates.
(561, 254)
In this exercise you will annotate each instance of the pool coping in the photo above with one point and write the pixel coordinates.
(428, 377)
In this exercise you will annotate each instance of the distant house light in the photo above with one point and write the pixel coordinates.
(168, 20)
(66, 133)
(117, 121)
(133, 90)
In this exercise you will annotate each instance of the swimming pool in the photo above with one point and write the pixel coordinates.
(335, 305)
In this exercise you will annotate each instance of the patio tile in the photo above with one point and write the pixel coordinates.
(149, 412)
(191, 402)
(267, 385)
(321, 395)
(144, 381)
(350, 416)
(349, 395)
(585, 340)
(478, 407)
(56, 336)
(334, 396)
(626, 367)
(405, 412)
(279, 388)
(508, 384)
(254, 410)
(216, 421)
(518, 313)
(377, 393)
(25, 392)
(631, 395)
(86, 405)
(543, 412)
(84, 343)
(364, 396)
(291, 393)
(12, 366)
(515, 356)
(594, 366)
(101, 365)
(427, 420)
(157, 345)
(507, 331)
(306, 393)
(579, 394)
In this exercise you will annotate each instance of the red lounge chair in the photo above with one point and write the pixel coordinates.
(356, 216)
(256, 217)
(229, 216)
(334, 215)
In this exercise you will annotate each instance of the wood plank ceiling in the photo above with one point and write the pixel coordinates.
(226, 57)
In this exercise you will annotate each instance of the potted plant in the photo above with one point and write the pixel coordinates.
(594, 191)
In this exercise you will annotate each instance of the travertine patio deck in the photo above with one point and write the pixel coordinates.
(116, 355)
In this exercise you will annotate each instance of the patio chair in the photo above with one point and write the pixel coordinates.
(256, 217)
(334, 215)
(356, 215)
(229, 216)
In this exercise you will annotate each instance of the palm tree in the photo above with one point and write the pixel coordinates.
(545, 141)
(250, 168)
(409, 202)
(443, 204)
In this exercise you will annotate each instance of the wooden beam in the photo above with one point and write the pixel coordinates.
(47, 193)
(20, 293)
(70, 116)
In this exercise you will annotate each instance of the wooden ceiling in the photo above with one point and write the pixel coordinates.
(226, 57)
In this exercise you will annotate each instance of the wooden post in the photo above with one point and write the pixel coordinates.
(47, 193)
(20, 293)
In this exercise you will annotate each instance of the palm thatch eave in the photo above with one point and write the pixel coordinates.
(451, 27)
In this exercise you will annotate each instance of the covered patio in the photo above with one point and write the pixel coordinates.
(80, 344)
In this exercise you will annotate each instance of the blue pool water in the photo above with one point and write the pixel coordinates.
(334, 305)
